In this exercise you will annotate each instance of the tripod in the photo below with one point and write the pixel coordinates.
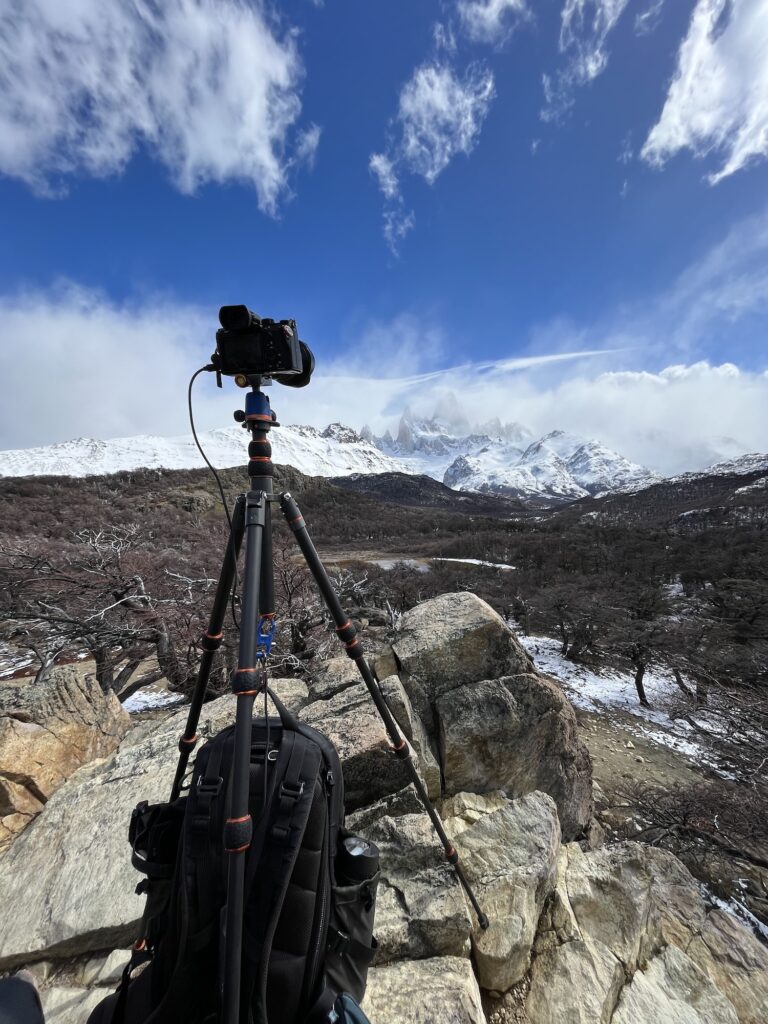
(252, 523)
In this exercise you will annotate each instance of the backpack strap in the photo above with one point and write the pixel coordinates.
(288, 720)
(282, 840)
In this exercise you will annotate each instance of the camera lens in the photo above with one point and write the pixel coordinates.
(237, 318)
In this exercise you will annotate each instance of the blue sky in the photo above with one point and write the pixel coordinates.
(421, 185)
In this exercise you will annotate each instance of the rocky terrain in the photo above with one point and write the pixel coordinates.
(582, 931)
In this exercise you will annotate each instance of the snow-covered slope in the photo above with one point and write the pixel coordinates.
(493, 458)
(559, 465)
(754, 462)
(335, 451)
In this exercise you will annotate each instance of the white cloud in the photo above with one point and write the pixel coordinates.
(104, 368)
(491, 21)
(584, 29)
(718, 99)
(397, 223)
(678, 418)
(210, 87)
(384, 169)
(443, 37)
(441, 114)
(647, 21)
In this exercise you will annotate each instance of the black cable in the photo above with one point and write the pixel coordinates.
(195, 375)
(266, 748)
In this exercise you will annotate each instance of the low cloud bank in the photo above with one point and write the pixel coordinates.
(81, 365)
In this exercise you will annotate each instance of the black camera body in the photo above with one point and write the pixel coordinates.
(249, 346)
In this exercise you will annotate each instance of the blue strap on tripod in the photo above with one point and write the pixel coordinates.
(265, 634)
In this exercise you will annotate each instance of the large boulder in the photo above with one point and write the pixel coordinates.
(576, 983)
(462, 810)
(67, 880)
(438, 991)
(673, 990)
(333, 676)
(351, 721)
(510, 858)
(405, 801)
(447, 642)
(617, 912)
(413, 729)
(519, 734)
(47, 731)
(420, 909)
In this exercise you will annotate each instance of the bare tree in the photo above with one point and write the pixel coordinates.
(103, 594)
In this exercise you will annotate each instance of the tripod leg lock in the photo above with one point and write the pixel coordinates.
(237, 834)
(402, 750)
(210, 643)
(293, 516)
(187, 744)
(346, 633)
(248, 681)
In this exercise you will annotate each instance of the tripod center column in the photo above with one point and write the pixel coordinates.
(259, 417)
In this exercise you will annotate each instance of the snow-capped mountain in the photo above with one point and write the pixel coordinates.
(559, 465)
(493, 458)
(335, 451)
(431, 445)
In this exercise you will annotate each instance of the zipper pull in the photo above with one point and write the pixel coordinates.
(330, 779)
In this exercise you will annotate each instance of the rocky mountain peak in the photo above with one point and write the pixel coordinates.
(341, 433)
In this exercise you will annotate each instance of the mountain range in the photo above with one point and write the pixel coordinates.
(495, 459)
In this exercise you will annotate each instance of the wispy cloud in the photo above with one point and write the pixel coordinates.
(210, 87)
(585, 26)
(491, 21)
(648, 20)
(718, 99)
(440, 115)
(384, 168)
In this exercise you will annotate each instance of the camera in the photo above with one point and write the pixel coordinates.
(248, 345)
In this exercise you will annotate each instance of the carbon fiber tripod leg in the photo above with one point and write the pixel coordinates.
(248, 680)
(347, 634)
(210, 643)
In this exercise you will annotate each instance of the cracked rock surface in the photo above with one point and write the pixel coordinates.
(626, 929)
(47, 731)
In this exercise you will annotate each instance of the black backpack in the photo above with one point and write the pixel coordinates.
(309, 902)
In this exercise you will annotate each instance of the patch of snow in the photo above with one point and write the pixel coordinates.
(602, 692)
(151, 697)
(761, 484)
(737, 909)
(476, 561)
(390, 563)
